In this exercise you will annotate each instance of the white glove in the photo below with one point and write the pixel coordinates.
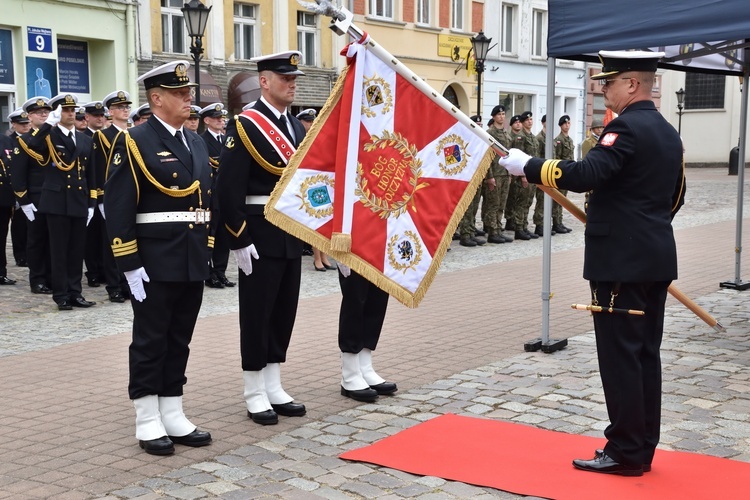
(244, 258)
(101, 209)
(514, 162)
(29, 211)
(345, 271)
(135, 278)
(90, 215)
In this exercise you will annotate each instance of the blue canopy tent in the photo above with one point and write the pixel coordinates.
(710, 36)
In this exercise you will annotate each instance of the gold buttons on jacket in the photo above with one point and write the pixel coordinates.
(174, 175)
(190, 226)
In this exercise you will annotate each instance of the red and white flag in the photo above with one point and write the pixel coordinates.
(382, 179)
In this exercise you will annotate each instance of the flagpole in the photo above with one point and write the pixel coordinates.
(342, 23)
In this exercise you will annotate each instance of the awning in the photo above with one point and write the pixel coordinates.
(243, 88)
(210, 92)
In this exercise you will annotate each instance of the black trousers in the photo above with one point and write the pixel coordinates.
(37, 250)
(363, 307)
(18, 234)
(5, 214)
(630, 365)
(220, 253)
(163, 326)
(93, 254)
(268, 308)
(67, 244)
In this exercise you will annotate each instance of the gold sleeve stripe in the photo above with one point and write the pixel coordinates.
(214, 162)
(120, 249)
(100, 192)
(210, 242)
(239, 231)
(550, 173)
(93, 193)
(20, 194)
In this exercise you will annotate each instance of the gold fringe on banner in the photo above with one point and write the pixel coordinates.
(341, 242)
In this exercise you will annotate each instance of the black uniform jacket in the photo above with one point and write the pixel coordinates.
(241, 174)
(151, 171)
(637, 177)
(103, 140)
(214, 151)
(69, 185)
(7, 199)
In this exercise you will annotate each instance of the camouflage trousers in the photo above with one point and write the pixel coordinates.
(493, 204)
(467, 226)
(518, 204)
(557, 209)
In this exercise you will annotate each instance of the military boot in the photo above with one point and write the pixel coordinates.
(467, 241)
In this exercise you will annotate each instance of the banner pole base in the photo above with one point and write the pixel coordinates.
(741, 285)
(554, 345)
(533, 345)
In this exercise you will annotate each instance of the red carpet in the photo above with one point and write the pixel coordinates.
(530, 461)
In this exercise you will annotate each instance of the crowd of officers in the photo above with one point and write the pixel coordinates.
(504, 195)
(53, 166)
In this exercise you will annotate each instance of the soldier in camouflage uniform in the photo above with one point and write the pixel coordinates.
(524, 192)
(516, 183)
(564, 150)
(541, 137)
(597, 125)
(496, 183)
(467, 227)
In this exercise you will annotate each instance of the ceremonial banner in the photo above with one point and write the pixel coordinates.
(382, 179)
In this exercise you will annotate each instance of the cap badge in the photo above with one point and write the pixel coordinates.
(40, 102)
(121, 95)
(181, 71)
(294, 59)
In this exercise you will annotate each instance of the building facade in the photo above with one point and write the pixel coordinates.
(85, 47)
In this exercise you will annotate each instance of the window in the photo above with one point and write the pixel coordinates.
(173, 33)
(381, 8)
(508, 34)
(423, 12)
(457, 14)
(515, 104)
(539, 41)
(704, 91)
(245, 31)
(307, 35)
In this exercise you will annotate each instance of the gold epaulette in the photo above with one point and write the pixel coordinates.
(254, 152)
(120, 249)
(550, 173)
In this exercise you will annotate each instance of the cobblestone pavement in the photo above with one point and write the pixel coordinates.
(706, 409)
(706, 390)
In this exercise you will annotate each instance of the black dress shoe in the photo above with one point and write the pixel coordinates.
(268, 417)
(307, 251)
(385, 388)
(213, 282)
(39, 288)
(64, 305)
(603, 464)
(600, 452)
(290, 409)
(224, 281)
(195, 439)
(81, 302)
(4, 280)
(93, 282)
(22, 263)
(116, 297)
(364, 395)
(160, 446)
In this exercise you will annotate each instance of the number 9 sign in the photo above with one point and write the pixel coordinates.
(39, 39)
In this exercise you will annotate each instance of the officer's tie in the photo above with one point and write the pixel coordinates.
(287, 129)
(179, 137)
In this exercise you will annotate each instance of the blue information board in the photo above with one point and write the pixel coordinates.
(40, 39)
(73, 66)
(6, 57)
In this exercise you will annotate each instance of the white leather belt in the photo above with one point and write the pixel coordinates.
(255, 199)
(199, 216)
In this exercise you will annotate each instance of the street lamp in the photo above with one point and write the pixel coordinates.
(196, 18)
(480, 44)
(680, 106)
